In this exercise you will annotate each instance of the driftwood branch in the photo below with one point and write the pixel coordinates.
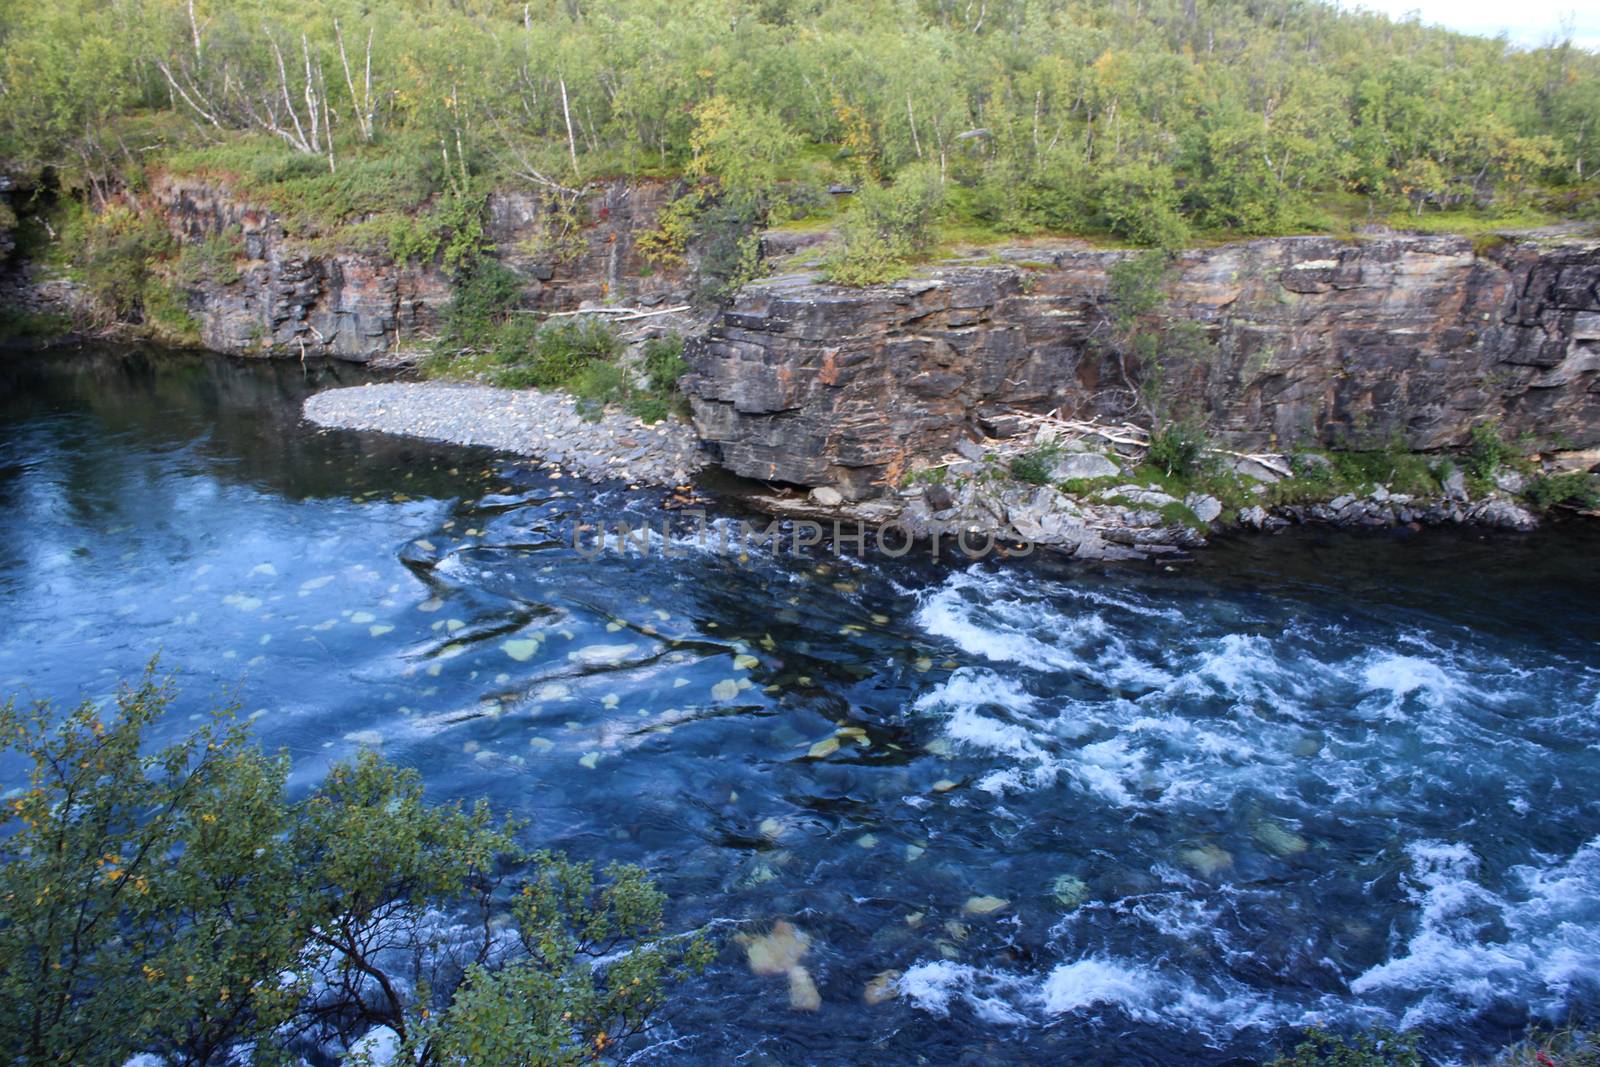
(623, 314)
(1137, 437)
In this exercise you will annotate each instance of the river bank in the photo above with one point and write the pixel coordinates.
(1076, 489)
(593, 443)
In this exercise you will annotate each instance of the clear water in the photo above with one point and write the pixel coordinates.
(1307, 778)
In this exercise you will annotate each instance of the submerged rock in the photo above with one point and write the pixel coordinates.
(883, 986)
(1207, 859)
(1279, 839)
(985, 905)
(778, 951)
(602, 655)
(1069, 890)
(803, 995)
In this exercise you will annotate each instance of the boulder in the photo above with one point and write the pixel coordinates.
(1510, 481)
(826, 496)
(1253, 469)
(1075, 466)
(1205, 508)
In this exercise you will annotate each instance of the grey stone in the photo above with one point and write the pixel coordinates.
(939, 497)
(969, 450)
(1205, 508)
(1503, 513)
(1510, 481)
(826, 496)
(1455, 484)
(1140, 495)
(1250, 468)
(1083, 465)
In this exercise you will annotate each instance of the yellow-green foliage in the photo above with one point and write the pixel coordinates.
(1148, 122)
(176, 902)
(667, 244)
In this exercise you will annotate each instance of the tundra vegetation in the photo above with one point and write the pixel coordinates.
(1154, 123)
(181, 902)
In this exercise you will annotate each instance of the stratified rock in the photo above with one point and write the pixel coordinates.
(1312, 340)
(293, 298)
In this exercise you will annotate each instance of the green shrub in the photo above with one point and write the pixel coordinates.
(668, 244)
(886, 227)
(564, 349)
(118, 254)
(212, 259)
(1486, 452)
(30, 327)
(1376, 1048)
(480, 310)
(166, 315)
(1031, 467)
(1176, 448)
(1551, 490)
(1562, 1048)
(1395, 466)
(1139, 201)
(663, 362)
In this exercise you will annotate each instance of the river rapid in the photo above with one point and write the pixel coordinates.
(1108, 814)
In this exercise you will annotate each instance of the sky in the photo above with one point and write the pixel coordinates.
(1525, 22)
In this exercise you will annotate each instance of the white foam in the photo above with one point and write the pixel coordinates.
(1472, 946)
(1091, 982)
(933, 986)
(1090, 986)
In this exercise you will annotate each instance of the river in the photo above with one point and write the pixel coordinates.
(1109, 814)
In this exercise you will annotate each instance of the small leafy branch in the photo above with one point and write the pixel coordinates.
(179, 903)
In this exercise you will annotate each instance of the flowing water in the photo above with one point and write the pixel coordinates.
(1316, 777)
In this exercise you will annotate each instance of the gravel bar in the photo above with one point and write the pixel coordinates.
(546, 426)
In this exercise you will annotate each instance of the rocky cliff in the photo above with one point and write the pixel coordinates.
(298, 297)
(1306, 341)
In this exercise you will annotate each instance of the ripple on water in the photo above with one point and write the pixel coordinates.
(1062, 813)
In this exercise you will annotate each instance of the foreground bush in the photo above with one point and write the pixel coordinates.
(180, 903)
(1375, 1048)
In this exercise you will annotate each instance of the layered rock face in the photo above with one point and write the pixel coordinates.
(292, 298)
(1306, 341)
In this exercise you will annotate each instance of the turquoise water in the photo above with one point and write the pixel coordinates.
(1089, 814)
